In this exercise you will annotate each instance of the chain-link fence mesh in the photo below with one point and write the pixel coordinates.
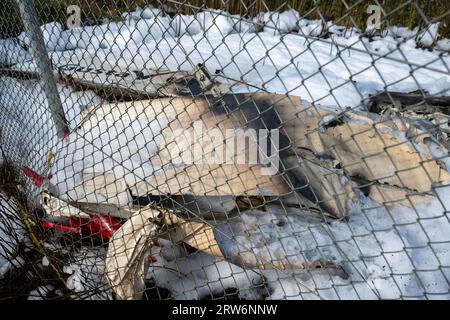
(224, 149)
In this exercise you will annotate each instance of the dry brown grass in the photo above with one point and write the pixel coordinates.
(18, 282)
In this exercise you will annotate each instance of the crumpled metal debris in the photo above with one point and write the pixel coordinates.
(128, 254)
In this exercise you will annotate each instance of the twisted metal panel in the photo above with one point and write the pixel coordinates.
(227, 149)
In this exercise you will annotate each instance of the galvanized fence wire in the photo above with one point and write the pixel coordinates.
(145, 134)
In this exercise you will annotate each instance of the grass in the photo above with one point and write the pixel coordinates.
(18, 282)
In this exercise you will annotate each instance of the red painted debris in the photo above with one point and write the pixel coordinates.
(35, 177)
(99, 227)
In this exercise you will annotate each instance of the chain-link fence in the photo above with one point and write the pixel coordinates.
(224, 149)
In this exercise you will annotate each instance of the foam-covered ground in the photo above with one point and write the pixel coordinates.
(338, 70)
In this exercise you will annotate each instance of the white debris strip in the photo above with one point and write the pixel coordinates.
(386, 252)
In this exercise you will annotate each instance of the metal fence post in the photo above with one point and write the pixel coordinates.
(38, 48)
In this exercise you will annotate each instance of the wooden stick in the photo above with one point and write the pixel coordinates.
(19, 74)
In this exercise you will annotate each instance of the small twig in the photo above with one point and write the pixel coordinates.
(29, 224)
